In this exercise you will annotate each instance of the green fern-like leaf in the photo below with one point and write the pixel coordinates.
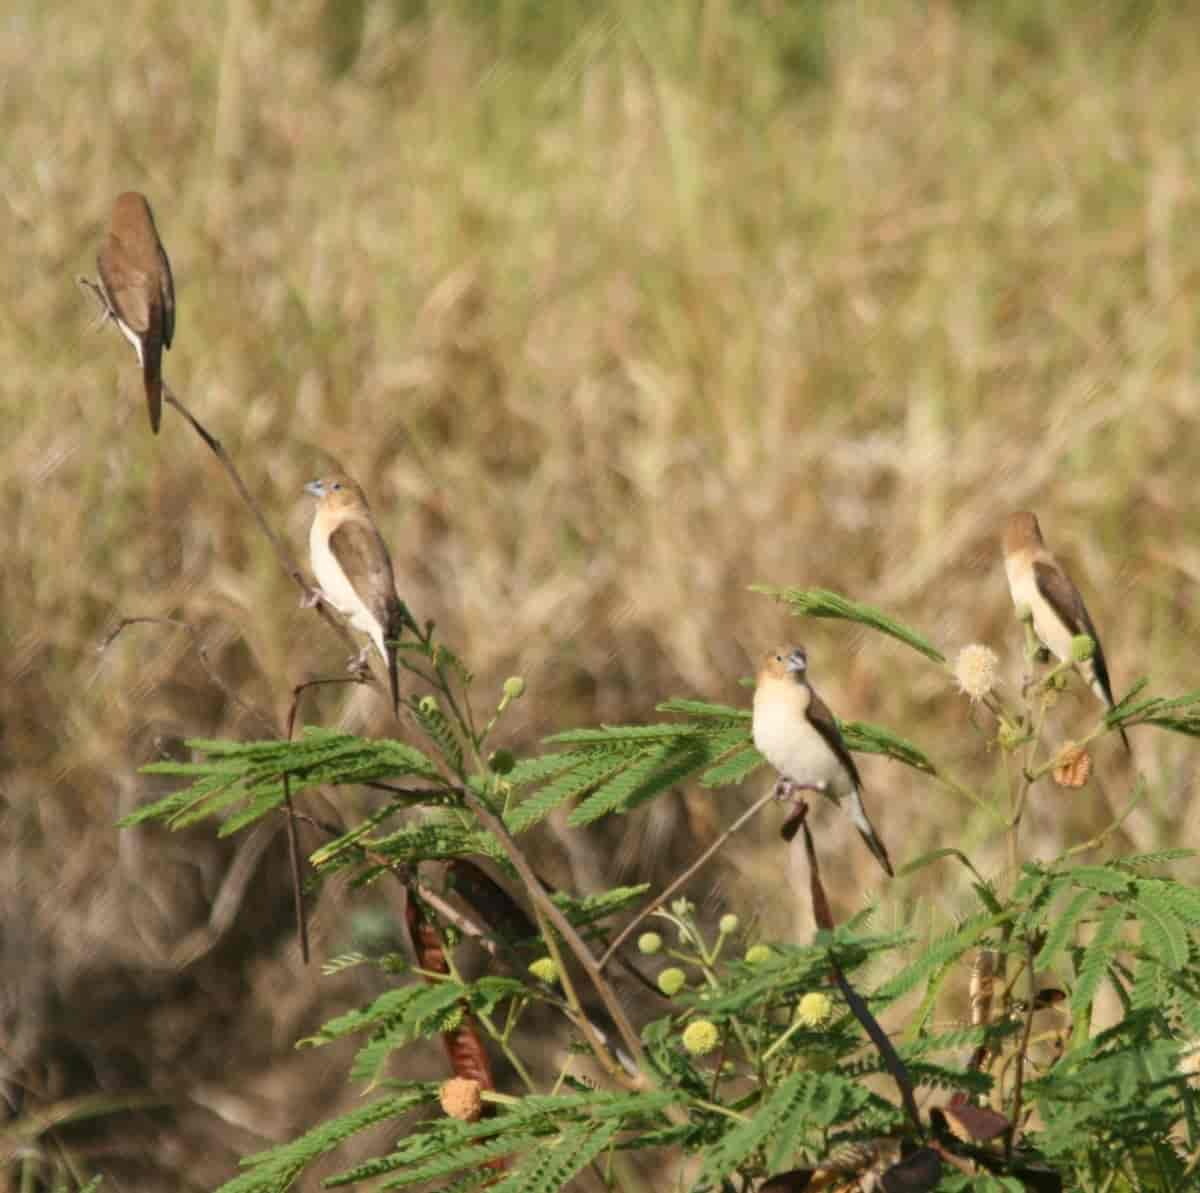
(1163, 933)
(551, 1167)
(874, 739)
(1096, 957)
(592, 908)
(572, 785)
(947, 948)
(733, 769)
(799, 1105)
(274, 1171)
(655, 771)
(820, 602)
(1062, 928)
(701, 708)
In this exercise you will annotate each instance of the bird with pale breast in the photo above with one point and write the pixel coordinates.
(1038, 583)
(798, 735)
(353, 568)
(135, 278)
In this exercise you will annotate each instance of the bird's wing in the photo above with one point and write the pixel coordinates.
(126, 286)
(363, 556)
(824, 722)
(1063, 597)
(168, 298)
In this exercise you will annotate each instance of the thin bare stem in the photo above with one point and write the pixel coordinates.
(1019, 1081)
(544, 904)
(660, 899)
(201, 654)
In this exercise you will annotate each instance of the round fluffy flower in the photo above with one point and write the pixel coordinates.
(975, 670)
(671, 981)
(460, 1098)
(814, 1009)
(649, 943)
(700, 1036)
(756, 954)
(544, 970)
(728, 924)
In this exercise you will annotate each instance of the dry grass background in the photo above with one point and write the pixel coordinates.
(614, 309)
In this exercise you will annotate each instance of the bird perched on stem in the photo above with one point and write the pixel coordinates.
(135, 278)
(1038, 583)
(798, 735)
(354, 570)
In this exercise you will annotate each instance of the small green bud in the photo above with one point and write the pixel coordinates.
(756, 954)
(728, 924)
(700, 1037)
(428, 705)
(671, 981)
(544, 969)
(502, 761)
(1009, 737)
(682, 907)
(514, 687)
(1083, 646)
(649, 943)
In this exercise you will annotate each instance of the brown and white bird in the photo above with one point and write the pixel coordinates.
(353, 568)
(1037, 582)
(135, 276)
(798, 735)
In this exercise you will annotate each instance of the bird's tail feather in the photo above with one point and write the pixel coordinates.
(861, 822)
(151, 354)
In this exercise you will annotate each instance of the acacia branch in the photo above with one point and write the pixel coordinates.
(660, 899)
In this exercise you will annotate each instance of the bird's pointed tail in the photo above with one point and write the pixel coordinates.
(858, 814)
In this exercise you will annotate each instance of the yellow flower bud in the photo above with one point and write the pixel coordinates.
(671, 981)
(650, 943)
(544, 969)
(700, 1037)
(814, 1009)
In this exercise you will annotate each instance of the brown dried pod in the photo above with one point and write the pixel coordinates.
(1072, 766)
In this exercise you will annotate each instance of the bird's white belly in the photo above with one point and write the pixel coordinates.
(797, 750)
(1046, 624)
(338, 590)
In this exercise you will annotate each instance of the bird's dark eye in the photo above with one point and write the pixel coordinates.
(779, 658)
(335, 486)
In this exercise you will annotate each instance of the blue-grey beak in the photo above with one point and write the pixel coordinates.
(798, 660)
(315, 488)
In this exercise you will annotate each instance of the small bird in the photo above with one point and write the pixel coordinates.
(1038, 583)
(798, 735)
(353, 568)
(135, 277)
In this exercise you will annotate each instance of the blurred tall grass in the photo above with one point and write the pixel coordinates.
(614, 309)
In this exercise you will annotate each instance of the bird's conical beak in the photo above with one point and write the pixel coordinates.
(315, 488)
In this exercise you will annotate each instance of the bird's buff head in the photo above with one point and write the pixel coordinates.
(336, 490)
(1021, 531)
(786, 662)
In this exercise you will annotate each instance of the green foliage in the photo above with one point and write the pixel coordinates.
(820, 602)
(786, 1061)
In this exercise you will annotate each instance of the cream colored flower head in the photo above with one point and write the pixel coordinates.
(975, 670)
